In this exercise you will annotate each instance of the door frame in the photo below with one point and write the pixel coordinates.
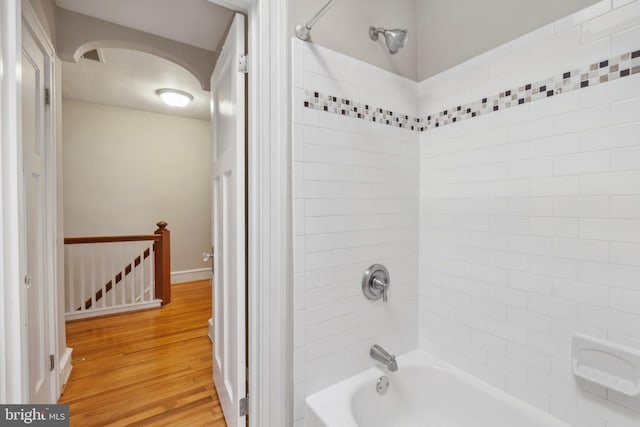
(13, 386)
(270, 264)
(14, 14)
(270, 288)
(31, 22)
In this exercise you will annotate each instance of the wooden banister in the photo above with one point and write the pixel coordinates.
(162, 250)
(109, 239)
(162, 258)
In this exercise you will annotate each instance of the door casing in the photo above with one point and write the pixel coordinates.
(14, 362)
(47, 283)
(270, 264)
(13, 381)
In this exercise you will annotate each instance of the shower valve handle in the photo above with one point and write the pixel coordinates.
(379, 284)
(375, 282)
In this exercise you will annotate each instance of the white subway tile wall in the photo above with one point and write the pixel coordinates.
(504, 234)
(355, 189)
(530, 221)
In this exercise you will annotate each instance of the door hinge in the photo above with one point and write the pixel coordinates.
(244, 406)
(47, 97)
(52, 362)
(243, 63)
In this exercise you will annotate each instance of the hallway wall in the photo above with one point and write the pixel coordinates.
(124, 170)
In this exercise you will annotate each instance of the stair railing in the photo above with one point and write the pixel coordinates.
(112, 274)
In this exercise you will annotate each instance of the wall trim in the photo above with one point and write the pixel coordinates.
(193, 275)
(31, 22)
(65, 367)
(270, 289)
(270, 264)
(12, 362)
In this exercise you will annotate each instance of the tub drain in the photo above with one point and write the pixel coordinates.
(382, 385)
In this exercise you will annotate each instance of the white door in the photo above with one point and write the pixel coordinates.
(228, 126)
(37, 281)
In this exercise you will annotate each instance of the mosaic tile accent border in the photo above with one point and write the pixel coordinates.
(349, 108)
(594, 74)
(579, 78)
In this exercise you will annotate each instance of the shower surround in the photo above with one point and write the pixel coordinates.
(526, 200)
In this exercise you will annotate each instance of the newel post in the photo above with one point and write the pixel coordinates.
(163, 263)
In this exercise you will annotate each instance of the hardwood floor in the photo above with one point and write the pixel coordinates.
(150, 368)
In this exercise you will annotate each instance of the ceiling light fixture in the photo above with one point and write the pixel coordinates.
(174, 97)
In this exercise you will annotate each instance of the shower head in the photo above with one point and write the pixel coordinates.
(395, 38)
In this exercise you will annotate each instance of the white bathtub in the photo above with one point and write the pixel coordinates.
(423, 392)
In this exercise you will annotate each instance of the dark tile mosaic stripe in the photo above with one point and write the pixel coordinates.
(349, 108)
(568, 81)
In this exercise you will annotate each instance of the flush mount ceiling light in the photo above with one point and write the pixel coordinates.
(174, 97)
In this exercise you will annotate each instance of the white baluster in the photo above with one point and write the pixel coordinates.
(103, 275)
(94, 287)
(70, 263)
(132, 257)
(152, 273)
(123, 278)
(114, 294)
(142, 275)
(83, 277)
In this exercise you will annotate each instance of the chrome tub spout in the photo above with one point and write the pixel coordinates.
(381, 355)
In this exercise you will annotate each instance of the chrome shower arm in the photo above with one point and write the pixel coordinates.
(302, 30)
(318, 15)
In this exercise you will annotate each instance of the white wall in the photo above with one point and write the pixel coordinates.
(530, 217)
(442, 33)
(450, 32)
(355, 204)
(345, 28)
(124, 170)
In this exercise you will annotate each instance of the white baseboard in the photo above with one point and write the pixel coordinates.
(210, 322)
(190, 275)
(64, 367)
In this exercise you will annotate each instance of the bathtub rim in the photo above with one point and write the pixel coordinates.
(321, 410)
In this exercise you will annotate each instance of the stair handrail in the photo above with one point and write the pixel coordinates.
(162, 254)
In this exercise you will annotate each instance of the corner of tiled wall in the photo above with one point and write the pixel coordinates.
(355, 203)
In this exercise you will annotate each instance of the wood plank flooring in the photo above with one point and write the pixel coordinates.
(149, 368)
